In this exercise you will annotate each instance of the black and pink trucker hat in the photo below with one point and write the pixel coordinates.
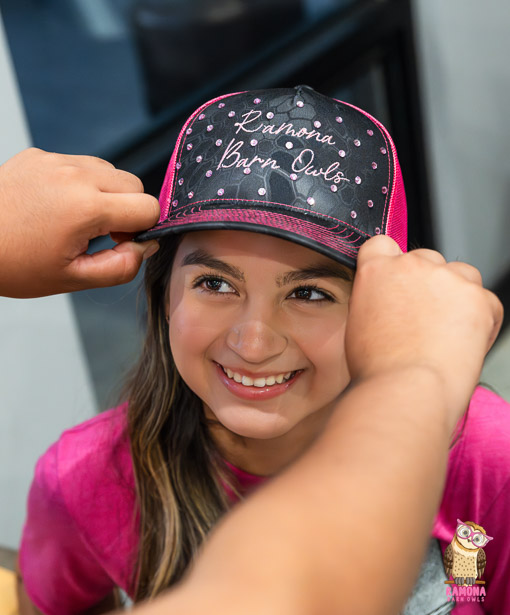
(286, 162)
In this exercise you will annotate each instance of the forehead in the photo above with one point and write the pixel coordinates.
(255, 248)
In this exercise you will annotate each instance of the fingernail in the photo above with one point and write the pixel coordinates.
(152, 248)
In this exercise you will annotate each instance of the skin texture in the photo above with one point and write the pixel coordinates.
(416, 333)
(51, 206)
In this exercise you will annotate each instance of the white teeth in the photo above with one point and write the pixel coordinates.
(257, 382)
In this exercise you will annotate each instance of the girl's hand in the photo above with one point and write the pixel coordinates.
(51, 206)
(415, 309)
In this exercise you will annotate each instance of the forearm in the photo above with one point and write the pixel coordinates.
(345, 528)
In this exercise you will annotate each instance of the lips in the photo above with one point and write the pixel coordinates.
(253, 387)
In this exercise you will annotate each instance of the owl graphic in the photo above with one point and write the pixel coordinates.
(464, 559)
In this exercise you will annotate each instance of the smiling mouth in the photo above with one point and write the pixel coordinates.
(267, 381)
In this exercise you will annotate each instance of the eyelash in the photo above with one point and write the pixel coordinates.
(310, 287)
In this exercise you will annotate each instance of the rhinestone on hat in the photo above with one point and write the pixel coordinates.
(253, 142)
(317, 124)
(247, 171)
(180, 182)
(377, 231)
(231, 113)
(257, 101)
(209, 173)
(270, 115)
(339, 119)
(201, 116)
(219, 142)
(334, 188)
(354, 215)
(199, 158)
(289, 145)
(262, 191)
(175, 203)
(357, 142)
(383, 150)
(341, 153)
(370, 133)
(221, 105)
(220, 192)
(384, 190)
(191, 195)
(358, 180)
(370, 203)
(293, 177)
(210, 127)
(300, 103)
(189, 131)
(374, 165)
(178, 165)
(189, 146)
(310, 200)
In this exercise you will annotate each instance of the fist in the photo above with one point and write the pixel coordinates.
(416, 309)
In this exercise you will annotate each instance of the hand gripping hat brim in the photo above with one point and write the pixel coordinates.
(291, 163)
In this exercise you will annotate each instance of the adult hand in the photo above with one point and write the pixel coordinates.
(416, 309)
(51, 206)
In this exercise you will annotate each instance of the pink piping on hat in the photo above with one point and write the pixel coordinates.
(285, 206)
(167, 188)
(323, 236)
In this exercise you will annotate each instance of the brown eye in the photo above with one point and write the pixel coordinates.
(310, 294)
(214, 285)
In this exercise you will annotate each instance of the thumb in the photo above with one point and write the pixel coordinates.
(110, 267)
(379, 245)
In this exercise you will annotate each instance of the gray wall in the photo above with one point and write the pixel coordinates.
(464, 46)
(44, 382)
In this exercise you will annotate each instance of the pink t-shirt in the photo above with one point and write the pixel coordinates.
(80, 536)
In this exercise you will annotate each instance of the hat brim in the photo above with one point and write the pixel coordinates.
(338, 243)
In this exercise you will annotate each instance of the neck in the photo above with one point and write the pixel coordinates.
(268, 457)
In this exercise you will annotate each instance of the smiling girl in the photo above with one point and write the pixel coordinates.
(244, 358)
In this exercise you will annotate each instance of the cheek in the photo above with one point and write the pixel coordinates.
(326, 351)
(186, 331)
(193, 329)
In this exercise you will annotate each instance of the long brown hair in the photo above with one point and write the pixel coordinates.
(179, 473)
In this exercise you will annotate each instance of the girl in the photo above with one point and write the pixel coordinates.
(244, 358)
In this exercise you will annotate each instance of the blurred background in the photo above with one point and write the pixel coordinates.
(117, 78)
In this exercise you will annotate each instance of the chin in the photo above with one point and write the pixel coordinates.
(253, 423)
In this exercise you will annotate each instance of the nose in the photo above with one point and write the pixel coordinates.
(255, 341)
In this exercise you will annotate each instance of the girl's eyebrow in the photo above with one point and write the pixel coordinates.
(317, 271)
(201, 257)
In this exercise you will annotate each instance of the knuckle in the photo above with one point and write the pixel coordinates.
(132, 180)
(97, 159)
